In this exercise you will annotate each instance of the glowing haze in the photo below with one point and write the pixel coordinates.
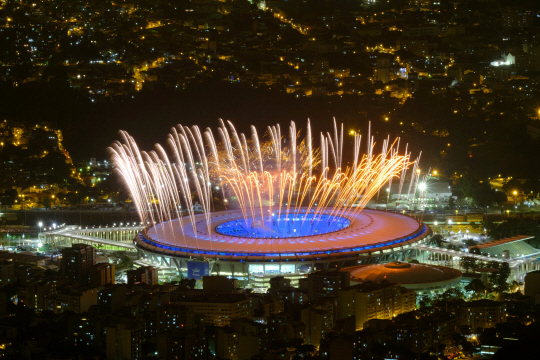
(277, 177)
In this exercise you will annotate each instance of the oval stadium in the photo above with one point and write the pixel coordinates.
(357, 238)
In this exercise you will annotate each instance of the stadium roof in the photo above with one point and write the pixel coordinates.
(402, 273)
(369, 231)
(503, 241)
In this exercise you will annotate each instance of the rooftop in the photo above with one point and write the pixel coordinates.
(22, 258)
(503, 241)
(402, 273)
(370, 230)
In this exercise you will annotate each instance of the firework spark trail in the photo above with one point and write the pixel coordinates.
(310, 150)
(403, 173)
(417, 178)
(262, 176)
(356, 150)
(393, 152)
(255, 139)
(292, 135)
(413, 175)
(275, 133)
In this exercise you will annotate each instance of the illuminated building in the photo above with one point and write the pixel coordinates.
(219, 310)
(370, 232)
(482, 314)
(143, 275)
(421, 278)
(102, 274)
(326, 284)
(124, 340)
(77, 263)
(288, 220)
(381, 300)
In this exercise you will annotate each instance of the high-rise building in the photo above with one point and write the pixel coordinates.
(482, 314)
(124, 340)
(87, 330)
(326, 284)
(219, 285)
(102, 274)
(176, 317)
(181, 345)
(220, 309)
(7, 273)
(381, 300)
(515, 18)
(319, 321)
(112, 299)
(282, 327)
(226, 343)
(532, 285)
(77, 301)
(143, 275)
(77, 263)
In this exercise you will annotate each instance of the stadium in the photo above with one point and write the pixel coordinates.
(369, 233)
(287, 206)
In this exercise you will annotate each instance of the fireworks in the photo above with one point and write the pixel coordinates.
(270, 179)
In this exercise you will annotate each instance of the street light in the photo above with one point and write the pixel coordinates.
(40, 224)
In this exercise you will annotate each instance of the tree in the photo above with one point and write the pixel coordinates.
(515, 285)
(499, 278)
(476, 286)
(45, 201)
(187, 283)
(424, 301)
(475, 251)
(439, 240)
(479, 191)
(451, 294)
(513, 227)
(468, 263)
(451, 202)
(126, 262)
(72, 198)
(469, 242)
